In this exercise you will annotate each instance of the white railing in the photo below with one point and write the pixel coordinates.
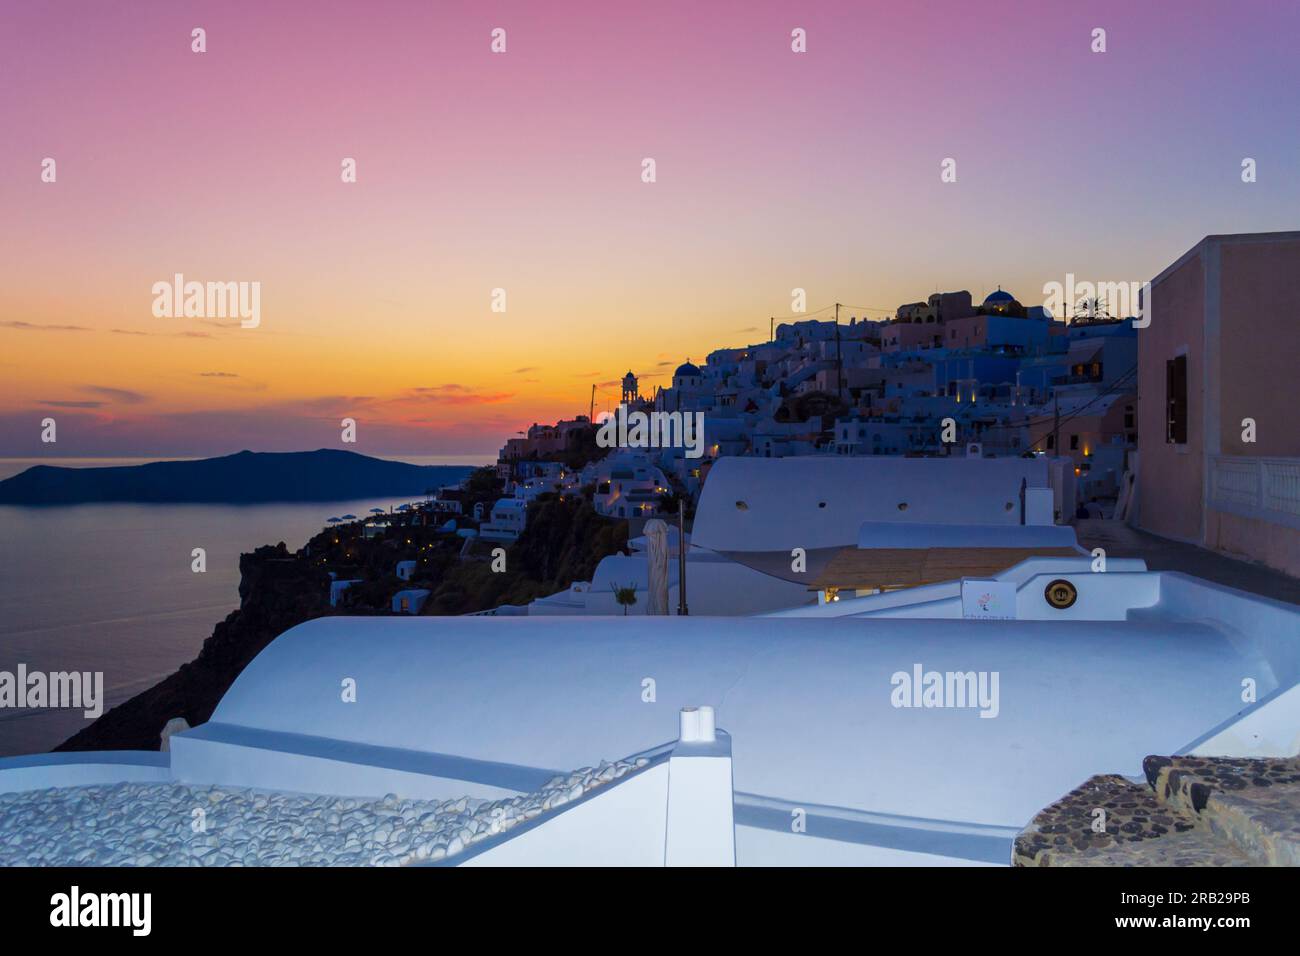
(1267, 488)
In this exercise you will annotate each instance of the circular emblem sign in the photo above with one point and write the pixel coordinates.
(1061, 594)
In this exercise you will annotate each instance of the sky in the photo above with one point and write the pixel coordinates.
(522, 171)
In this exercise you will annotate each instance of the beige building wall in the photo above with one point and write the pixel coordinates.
(1259, 344)
(1170, 479)
(1232, 304)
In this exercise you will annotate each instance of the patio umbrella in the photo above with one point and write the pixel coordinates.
(656, 532)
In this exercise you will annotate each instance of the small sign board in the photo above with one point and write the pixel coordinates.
(984, 600)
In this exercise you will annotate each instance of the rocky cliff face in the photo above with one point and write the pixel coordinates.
(276, 591)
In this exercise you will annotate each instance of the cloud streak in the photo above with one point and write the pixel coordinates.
(38, 327)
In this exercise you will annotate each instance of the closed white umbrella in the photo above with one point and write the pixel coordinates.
(656, 533)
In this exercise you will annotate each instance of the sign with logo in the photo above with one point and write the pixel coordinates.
(988, 600)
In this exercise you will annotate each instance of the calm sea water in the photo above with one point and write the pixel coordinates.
(109, 588)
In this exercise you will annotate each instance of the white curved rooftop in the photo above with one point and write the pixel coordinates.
(807, 701)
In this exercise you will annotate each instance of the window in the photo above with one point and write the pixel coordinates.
(1074, 443)
(1051, 442)
(1176, 401)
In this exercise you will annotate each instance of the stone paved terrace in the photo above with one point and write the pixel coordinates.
(1161, 554)
(1191, 811)
(155, 824)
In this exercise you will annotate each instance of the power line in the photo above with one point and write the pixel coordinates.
(1120, 381)
(871, 308)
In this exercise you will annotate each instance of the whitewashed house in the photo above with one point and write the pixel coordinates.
(410, 601)
(509, 517)
(338, 587)
(627, 485)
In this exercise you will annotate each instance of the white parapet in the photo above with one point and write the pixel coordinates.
(701, 825)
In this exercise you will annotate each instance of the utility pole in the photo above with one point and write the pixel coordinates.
(839, 360)
(681, 557)
(1056, 423)
(591, 412)
(771, 328)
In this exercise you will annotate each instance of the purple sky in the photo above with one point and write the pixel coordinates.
(521, 171)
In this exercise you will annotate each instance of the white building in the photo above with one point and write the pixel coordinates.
(338, 587)
(409, 601)
(509, 517)
(627, 485)
(774, 534)
(751, 504)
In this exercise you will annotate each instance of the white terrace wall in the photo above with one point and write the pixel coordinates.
(759, 504)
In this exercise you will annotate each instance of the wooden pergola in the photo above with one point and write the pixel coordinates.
(869, 569)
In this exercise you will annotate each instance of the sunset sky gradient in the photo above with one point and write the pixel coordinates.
(522, 171)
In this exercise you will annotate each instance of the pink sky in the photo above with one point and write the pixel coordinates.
(522, 171)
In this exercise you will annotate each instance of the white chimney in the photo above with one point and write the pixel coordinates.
(697, 726)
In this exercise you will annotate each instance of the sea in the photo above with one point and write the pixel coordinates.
(109, 587)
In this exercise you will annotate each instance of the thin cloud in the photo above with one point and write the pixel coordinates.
(36, 327)
(453, 394)
(169, 335)
(439, 389)
(55, 404)
(218, 375)
(122, 395)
